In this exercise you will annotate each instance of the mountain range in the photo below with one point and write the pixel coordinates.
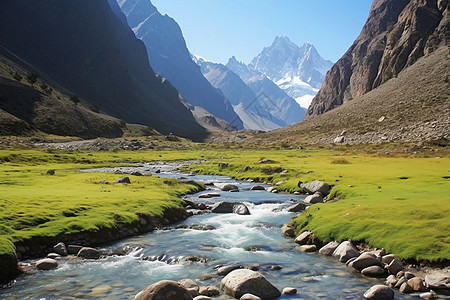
(390, 86)
(169, 56)
(267, 93)
(299, 71)
(82, 48)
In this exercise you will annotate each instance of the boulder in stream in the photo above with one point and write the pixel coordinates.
(89, 253)
(244, 281)
(230, 207)
(229, 187)
(379, 292)
(46, 264)
(164, 290)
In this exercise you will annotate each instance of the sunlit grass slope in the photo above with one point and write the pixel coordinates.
(399, 204)
(34, 204)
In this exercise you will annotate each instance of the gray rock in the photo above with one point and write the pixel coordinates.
(46, 264)
(329, 248)
(316, 186)
(249, 297)
(272, 189)
(409, 275)
(379, 292)
(136, 173)
(229, 187)
(405, 288)
(289, 291)
(257, 188)
(307, 248)
(313, 199)
(266, 161)
(373, 271)
(288, 230)
(188, 283)
(164, 290)
(53, 255)
(209, 291)
(51, 172)
(388, 258)
(244, 281)
(89, 253)
(209, 195)
(438, 281)
(60, 249)
(395, 266)
(73, 249)
(297, 207)
(201, 297)
(125, 179)
(417, 284)
(225, 270)
(305, 238)
(345, 251)
(365, 260)
(339, 139)
(230, 207)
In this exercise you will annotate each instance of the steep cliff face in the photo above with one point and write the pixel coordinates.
(169, 56)
(84, 48)
(397, 33)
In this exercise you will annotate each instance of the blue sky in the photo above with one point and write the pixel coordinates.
(219, 29)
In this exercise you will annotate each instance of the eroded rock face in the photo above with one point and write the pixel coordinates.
(164, 290)
(243, 281)
(397, 33)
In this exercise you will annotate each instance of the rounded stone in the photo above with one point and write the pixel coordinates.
(379, 292)
(164, 290)
(46, 264)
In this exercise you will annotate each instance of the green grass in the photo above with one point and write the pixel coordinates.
(399, 204)
(34, 204)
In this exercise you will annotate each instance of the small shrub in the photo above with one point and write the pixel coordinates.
(46, 89)
(340, 161)
(94, 108)
(17, 76)
(32, 77)
(74, 99)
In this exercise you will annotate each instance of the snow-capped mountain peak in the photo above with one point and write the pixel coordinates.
(297, 70)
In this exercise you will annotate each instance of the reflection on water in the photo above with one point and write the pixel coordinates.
(168, 254)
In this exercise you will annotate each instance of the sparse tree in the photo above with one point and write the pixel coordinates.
(74, 99)
(32, 77)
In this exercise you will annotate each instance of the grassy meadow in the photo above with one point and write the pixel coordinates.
(401, 204)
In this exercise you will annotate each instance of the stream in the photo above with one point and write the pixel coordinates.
(159, 255)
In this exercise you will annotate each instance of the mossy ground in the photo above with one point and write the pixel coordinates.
(400, 204)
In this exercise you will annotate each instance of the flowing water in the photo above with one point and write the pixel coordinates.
(159, 255)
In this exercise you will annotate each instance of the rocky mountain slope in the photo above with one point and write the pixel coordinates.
(410, 40)
(299, 71)
(84, 49)
(270, 98)
(170, 57)
(396, 34)
(252, 110)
